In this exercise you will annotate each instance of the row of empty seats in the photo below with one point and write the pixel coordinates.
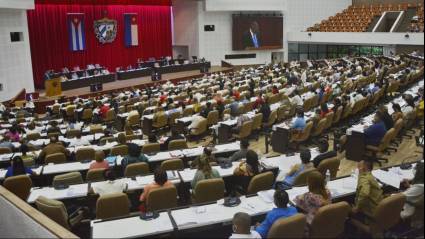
(358, 18)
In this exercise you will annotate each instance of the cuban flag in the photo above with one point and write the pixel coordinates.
(76, 33)
(131, 30)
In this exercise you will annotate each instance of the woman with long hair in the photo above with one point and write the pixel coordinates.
(204, 171)
(316, 197)
(250, 167)
(18, 168)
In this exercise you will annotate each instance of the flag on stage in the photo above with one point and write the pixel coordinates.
(131, 30)
(76, 33)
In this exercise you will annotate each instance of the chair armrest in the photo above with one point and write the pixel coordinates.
(372, 148)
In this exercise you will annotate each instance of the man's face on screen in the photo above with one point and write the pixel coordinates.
(255, 27)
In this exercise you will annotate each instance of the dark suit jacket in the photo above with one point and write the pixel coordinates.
(248, 41)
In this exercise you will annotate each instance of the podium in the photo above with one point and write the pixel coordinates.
(53, 87)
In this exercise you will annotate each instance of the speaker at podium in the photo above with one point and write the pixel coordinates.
(53, 86)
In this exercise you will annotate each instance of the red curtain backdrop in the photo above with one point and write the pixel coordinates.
(48, 35)
(108, 2)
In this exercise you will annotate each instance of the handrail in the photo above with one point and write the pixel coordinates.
(35, 215)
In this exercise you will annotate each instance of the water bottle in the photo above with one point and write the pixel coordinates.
(328, 176)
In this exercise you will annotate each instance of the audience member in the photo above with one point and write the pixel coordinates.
(281, 200)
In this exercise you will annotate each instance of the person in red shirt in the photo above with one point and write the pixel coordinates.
(324, 110)
(236, 94)
(103, 110)
(259, 101)
(162, 98)
(275, 90)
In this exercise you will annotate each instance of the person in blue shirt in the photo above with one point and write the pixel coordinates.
(375, 132)
(281, 200)
(299, 122)
(18, 168)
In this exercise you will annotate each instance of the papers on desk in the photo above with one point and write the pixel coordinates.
(131, 227)
(2, 173)
(65, 167)
(393, 176)
(73, 191)
(39, 142)
(6, 157)
(223, 148)
(161, 156)
(193, 151)
(187, 174)
(267, 196)
(139, 142)
(342, 186)
(387, 178)
(226, 172)
(295, 191)
(230, 122)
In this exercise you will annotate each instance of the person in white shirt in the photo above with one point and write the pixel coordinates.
(242, 227)
(2, 107)
(112, 185)
(296, 99)
(75, 142)
(414, 192)
(196, 119)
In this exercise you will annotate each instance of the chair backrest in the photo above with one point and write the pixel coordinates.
(54, 210)
(187, 112)
(135, 169)
(55, 158)
(329, 119)
(245, 129)
(172, 118)
(331, 164)
(95, 175)
(112, 205)
(290, 227)
(320, 127)
(85, 154)
(322, 227)
(160, 121)
(67, 179)
(301, 179)
(212, 118)
(347, 111)
(202, 128)
(172, 164)
(260, 182)
(257, 121)
(119, 150)
(110, 115)
(338, 115)
(387, 213)
(209, 190)
(19, 185)
(73, 133)
(151, 148)
(134, 119)
(103, 141)
(398, 125)
(4, 150)
(87, 114)
(177, 144)
(161, 198)
(386, 140)
(33, 136)
(272, 118)
(306, 132)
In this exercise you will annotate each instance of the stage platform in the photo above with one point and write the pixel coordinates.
(119, 85)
